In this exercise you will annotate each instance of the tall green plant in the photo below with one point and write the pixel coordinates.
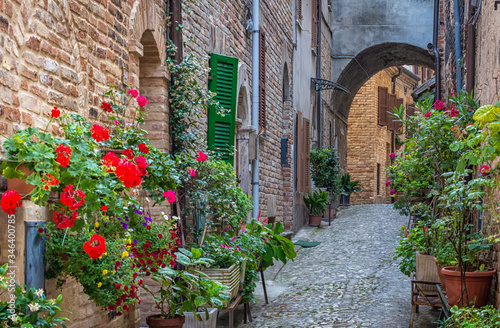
(325, 169)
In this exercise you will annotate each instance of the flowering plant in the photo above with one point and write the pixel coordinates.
(223, 256)
(30, 307)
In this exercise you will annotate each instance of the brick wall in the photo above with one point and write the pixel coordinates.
(368, 143)
(64, 54)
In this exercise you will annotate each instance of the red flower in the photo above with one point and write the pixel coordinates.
(148, 227)
(133, 92)
(438, 104)
(72, 198)
(128, 173)
(111, 307)
(392, 155)
(201, 157)
(64, 221)
(50, 181)
(143, 148)
(160, 236)
(170, 196)
(428, 114)
(99, 133)
(393, 192)
(142, 101)
(55, 113)
(104, 208)
(11, 200)
(118, 285)
(485, 169)
(191, 171)
(40, 230)
(106, 107)
(96, 247)
(128, 152)
(110, 160)
(142, 164)
(63, 154)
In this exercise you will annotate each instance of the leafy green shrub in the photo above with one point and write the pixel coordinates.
(325, 170)
(467, 317)
(316, 202)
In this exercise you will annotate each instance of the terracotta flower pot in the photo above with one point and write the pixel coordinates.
(20, 185)
(315, 220)
(478, 286)
(155, 321)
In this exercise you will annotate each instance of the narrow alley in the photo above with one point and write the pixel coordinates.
(349, 280)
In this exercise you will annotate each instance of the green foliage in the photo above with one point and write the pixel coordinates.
(186, 290)
(222, 255)
(325, 170)
(347, 186)
(316, 202)
(470, 317)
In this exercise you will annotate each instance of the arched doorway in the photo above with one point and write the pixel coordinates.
(243, 131)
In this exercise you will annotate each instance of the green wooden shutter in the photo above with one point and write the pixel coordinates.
(224, 71)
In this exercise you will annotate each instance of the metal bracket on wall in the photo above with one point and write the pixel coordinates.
(496, 4)
(322, 84)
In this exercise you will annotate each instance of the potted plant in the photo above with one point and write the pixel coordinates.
(316, 203)
(348, 187)
(181, 291)
(29, 307)
(325, 173)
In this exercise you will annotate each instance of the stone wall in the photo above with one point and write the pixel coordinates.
(65, 53)
(368, 143)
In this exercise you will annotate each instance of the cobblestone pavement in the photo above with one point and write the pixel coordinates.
(349, 280)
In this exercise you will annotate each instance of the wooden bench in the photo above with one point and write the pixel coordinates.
(421, 297)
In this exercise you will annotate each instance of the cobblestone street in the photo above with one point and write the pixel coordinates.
(349, 280)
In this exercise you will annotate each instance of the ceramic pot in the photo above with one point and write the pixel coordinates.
(478, 286)
(154, 321)
(315, 220)
(20, 185)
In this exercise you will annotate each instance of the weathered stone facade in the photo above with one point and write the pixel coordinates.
(370, 144)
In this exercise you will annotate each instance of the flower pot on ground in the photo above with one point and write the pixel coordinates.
(210, 322)
(316, 203)
(478, 286)
(156, 321)
(348, 187)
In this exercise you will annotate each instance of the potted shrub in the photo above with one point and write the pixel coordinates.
(182, 291)
(325, 173)
(316, 203)
(348, 187)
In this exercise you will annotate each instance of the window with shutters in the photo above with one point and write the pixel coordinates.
(307, 155)
(314, 22)
(220, 130)
(262, 80)
(383, 98)
(303, 153)
(391, 124)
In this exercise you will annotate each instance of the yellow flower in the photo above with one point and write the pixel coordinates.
(99, 285)
(106, 253)
(97, 224)
(125, 253)
(113, 271)
(104, 271)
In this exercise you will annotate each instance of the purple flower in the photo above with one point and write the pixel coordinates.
(138, 212)
(124, 225)
(144, 224)
(393, 192)
(388, 183)
(392, 155)
(135, 241)
(126, 219)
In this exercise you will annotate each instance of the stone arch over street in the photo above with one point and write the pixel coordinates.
(372, 60)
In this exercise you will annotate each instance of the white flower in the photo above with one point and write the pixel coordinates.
(52, 301)
(14, 318)
(34, 307)
(39, 292)
(127, 234)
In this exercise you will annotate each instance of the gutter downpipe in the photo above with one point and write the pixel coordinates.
(436, 51)
(471, 50)
(255, 105)
(458, 48)
(318, 74)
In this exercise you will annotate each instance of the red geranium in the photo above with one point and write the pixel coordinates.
(143, 148)
(104, 208)
(142, 164)
(110, 160)
(485, 169)
(428, 114)
(11, 200)
(96, 247)
(50, 181)
(439, 104)
(170, 196)
(63, 155)
(72, 198)
(55, 113)
(142, 101)
(107, 107)
(201, 157)
(128, 152)
(134, 93)
(99, 133)
(64, 221)
(128, 173)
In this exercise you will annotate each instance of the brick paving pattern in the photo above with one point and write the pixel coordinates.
(349, 280)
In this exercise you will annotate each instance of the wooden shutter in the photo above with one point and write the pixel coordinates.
(300, 152)
(398, 125)
(262, 79)
(390, 119)
(220, 130)
(314, 27)
(383, 98)
(410, 110)
(299, 9)
(307, 155)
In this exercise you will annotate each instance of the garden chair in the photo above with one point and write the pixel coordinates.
(421, 294)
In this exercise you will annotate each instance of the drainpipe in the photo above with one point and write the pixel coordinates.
(471, 49)
(458, 48)
(435, 44)
(255, 106)
(318, 73)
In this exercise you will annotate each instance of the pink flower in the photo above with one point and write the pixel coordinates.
(439, 104)
(133, 92)
(142, 101)
(170, 196)
(191, 171)
(428, 114)
(426, 229)
(201, 157)
(238, 248)
(392, 155)
(406, 232)
(388, 183)
(117, 122)
(485, 169)
(393, 192)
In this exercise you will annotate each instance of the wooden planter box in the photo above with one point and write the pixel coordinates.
(192, 322)
(229, 277)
